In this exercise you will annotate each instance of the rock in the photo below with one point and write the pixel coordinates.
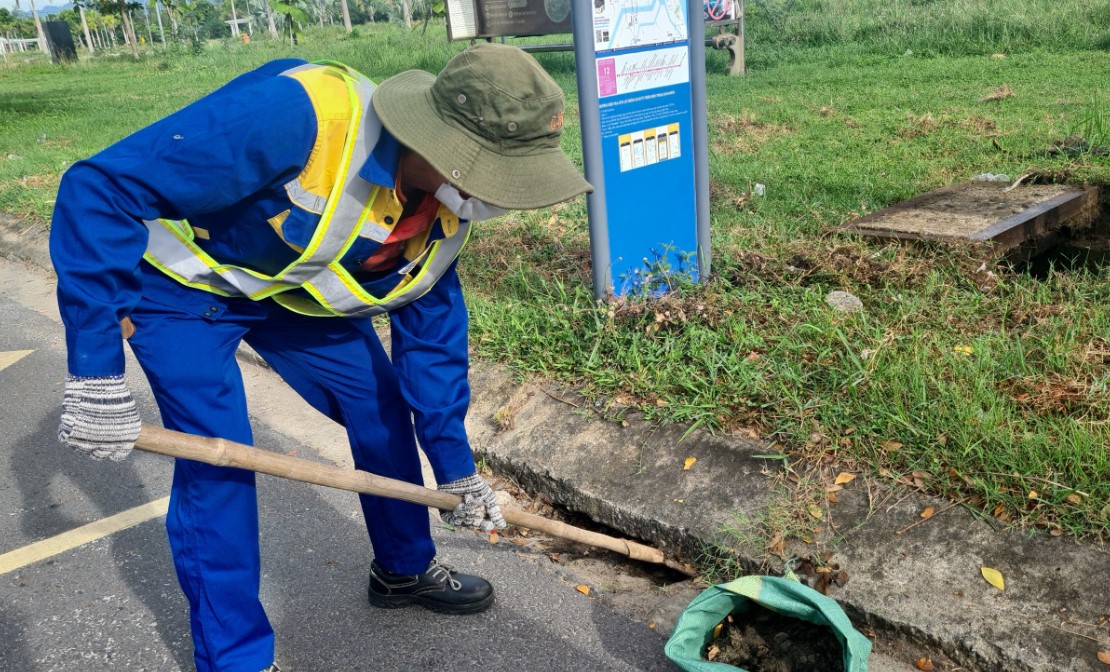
(844, 301)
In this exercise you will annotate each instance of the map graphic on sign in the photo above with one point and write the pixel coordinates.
(622, 24)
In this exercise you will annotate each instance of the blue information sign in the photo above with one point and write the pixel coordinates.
(638, 124)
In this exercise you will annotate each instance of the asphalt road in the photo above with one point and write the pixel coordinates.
(112, 602)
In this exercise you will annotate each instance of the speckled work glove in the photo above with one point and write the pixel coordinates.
(479, 506)
(99, 417)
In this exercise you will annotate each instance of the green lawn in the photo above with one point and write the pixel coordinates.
(987, 381)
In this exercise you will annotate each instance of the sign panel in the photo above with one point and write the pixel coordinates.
(645, 141)
(469, 19)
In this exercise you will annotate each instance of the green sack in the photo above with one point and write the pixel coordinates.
(694, 629)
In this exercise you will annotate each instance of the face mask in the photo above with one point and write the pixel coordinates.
(466, 208)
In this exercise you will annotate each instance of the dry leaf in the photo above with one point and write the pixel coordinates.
(993, 577)
(583, 588)
(834, 488)
(776, 546)
(844, 477)
(651, 626)
(1033, 494)
(928, 512)
(832, 498)
(924, 664)
(1073, 499)
(891, 445)
(1103, 657)
(689, 463)
(494, 537)
(815, 511)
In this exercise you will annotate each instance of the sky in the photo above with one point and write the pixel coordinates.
(25, 5)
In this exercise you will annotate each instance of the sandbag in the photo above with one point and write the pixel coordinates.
(694, 629)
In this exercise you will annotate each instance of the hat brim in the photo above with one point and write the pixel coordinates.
(403, 104)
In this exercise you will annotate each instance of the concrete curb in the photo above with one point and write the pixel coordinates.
(919, 587)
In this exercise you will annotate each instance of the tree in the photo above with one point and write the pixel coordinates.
(295, 17)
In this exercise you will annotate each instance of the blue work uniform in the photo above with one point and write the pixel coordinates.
(221, 164)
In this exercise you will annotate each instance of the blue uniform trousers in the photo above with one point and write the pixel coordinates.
(185, 340)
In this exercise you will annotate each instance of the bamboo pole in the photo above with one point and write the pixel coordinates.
(224, 453)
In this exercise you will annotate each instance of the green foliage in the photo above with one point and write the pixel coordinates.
(296, 17)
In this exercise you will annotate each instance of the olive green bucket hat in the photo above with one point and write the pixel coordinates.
(490, 123)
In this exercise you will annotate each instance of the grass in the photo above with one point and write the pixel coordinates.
(988, 382)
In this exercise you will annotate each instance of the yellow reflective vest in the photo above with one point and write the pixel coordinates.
(348, 207)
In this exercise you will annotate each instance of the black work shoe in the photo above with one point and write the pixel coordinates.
(440, 589)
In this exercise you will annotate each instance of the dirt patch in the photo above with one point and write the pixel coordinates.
(760, 640)
(745, 134)
(649, 593)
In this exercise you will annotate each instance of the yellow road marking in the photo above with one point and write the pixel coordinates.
(11, 357)
(40, 550)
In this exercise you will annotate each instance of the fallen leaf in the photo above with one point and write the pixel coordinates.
(689, 463)
(1033, 494)
(844, 477)
(679, 501)
(832, 498)
(651, 626)
(924, 664)
(583, 588)
(964, 350)
(815, 511)
(1073, 499)
(494, 537)
(993, 577)
(998, 55)
(834, 488)
(776, 546)
(891, 445)
(928, 512)
(1103, 657)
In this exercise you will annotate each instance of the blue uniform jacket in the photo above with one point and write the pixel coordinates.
(222, 163)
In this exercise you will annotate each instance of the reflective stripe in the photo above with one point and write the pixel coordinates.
(344, 215)
(338, 291)
(305, 198)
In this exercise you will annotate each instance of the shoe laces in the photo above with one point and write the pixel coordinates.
(443, 573)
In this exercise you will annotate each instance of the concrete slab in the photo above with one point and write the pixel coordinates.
(996, 213)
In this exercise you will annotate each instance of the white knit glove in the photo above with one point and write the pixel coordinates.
(479, 506)
(99, 417)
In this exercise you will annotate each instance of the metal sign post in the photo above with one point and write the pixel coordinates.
(641, 89)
